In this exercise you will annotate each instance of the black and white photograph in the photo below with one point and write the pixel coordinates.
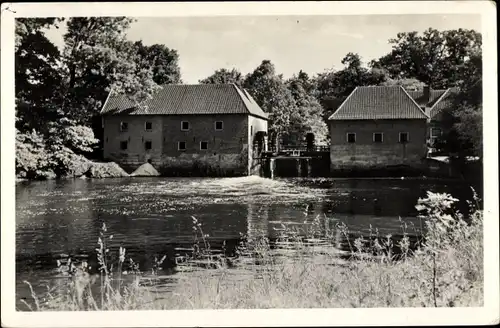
(247, 157)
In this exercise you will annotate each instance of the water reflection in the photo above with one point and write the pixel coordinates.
(257, 221)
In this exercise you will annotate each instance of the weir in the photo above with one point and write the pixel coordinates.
(295, 162)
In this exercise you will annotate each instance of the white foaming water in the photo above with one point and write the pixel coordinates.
(234, 188)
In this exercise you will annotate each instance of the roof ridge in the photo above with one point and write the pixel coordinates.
(193, 84)
(243, 93)
(413, 100)
(106, 101)
(439, 99)
(239, 97)
(377, 86)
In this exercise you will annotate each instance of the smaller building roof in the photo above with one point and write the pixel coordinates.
(185, 99)
(444, 102)
(419, 96)
(378, 103)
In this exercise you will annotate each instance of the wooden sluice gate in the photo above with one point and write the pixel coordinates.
(295, 163)
(302, 160)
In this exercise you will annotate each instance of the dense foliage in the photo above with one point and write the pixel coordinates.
(435, 57)
(308, 114)
(466, 134)
(224, 76)
(333, 87)
(59, 92)
(271, 93)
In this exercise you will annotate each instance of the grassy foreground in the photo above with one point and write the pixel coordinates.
(445, 271)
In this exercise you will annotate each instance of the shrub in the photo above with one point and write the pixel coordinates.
(42, 157)
(33, 160)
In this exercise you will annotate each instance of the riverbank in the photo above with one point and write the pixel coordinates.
(446, 271)
(79, 167)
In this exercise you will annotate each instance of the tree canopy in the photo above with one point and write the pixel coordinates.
(164, 62)
(59, 91)
(270, 92)
(98, 59)
(308, 114)
(334, 86)
(435, 57)
(224, 76)
(465, 116)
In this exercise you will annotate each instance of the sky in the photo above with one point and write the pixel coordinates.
(293, 43)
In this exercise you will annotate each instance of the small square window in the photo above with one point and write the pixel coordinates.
(404, 137)
(123, 145)
(181, 145)
(351, 137)
(378, 137)
(148, 145)
(219, 125)
(203, 145)
(184, 126)
(149, 126)
(123, 126)
(436, 132)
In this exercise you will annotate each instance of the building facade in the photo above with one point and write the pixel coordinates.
(376, 128)
(186, 130)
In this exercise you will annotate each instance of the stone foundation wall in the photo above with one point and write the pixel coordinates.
(189, 164)
(204, 165)
(365, 154)
(379, 156)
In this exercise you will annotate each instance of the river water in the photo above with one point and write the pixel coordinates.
(153, 216)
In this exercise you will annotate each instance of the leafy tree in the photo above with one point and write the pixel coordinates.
(464, 116)
(164, 62)
(98, 59)
(270, 92)
(408, 84)
(434, 57)
(333, 87)
(471, 85)
(469, 131)
(308, 114)
(37, 74)
(32, 158)
(38, 86)
(27, 26)
(223, 76)
(57, 94)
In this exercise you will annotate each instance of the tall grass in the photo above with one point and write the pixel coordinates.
(445, 270)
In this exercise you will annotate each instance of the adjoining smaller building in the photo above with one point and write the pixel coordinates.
(377, 127)
(437, 105)
(206, 129)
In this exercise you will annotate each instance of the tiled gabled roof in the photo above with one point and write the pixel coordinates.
(419, 97)
(183, 99)
(378, 103)
(444, 102)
